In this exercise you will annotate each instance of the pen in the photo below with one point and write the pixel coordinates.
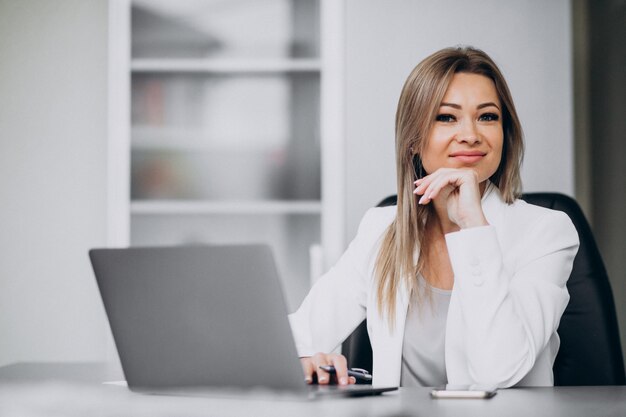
(358, 373)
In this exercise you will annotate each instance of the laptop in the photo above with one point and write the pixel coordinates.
(195, 319)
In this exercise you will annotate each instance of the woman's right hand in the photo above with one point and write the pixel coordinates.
(311, 366)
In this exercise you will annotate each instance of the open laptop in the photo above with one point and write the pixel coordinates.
(202, 318)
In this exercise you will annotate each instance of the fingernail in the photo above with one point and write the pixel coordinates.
(322, 379)
(343, 381)
(422, 200)
(308, 379)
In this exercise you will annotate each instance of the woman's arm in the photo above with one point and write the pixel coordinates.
(336, 303)
(509, 315)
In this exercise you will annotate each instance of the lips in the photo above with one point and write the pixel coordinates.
(468, 157)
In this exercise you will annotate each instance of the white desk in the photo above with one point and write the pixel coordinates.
(25, 393)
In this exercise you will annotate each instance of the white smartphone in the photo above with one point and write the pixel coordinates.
(462, 393)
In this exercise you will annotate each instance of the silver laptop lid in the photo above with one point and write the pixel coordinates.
(198, 316)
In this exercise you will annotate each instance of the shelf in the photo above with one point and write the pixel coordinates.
(183, 207)
(226, 66)
(189, 139)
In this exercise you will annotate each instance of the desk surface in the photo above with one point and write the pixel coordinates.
(75, 390)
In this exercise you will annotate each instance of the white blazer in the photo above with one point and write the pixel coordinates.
(507, 300)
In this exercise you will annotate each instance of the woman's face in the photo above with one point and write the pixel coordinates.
(467, 132)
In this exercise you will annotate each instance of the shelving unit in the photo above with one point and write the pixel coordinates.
(219, 119)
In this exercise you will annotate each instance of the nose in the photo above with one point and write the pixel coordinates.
(468, 133)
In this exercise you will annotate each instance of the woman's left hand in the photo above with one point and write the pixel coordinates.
(458, 190)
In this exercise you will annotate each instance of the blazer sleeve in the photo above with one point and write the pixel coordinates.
(511, 312)
(336, 304)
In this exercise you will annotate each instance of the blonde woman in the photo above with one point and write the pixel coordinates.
(461, 283)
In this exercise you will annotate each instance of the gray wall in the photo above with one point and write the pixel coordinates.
(52, 178)
(529, 39)
(606, 141)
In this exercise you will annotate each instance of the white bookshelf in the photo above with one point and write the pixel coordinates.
(217, 130)
(294, 64)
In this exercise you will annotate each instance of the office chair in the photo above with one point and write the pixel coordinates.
(590, 352)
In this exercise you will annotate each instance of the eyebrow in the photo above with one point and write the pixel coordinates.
(480, 106)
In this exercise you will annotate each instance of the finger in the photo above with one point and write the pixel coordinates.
(352, 380)
(419, 188)
(341, 368)
(419, 181)
(439, 183)
(422, 184)
(428, 191)
(428, 180)
(307, 367)
(447, 183)
(319, 359)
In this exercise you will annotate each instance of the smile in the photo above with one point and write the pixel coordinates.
(468, 157)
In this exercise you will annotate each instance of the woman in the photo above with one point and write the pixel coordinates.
(461, 283)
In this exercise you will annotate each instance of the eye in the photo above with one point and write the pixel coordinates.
(445, 118)
(489, 117)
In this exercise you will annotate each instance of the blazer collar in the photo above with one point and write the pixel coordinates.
(493, 204)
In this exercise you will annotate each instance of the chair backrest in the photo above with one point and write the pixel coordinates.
(590, 352)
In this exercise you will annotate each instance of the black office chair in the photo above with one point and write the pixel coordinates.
(590, 352)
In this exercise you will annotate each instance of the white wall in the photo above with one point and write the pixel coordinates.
(52, 178)
(529, 39)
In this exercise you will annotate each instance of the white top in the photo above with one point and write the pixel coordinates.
(423, 351)
(508, 297)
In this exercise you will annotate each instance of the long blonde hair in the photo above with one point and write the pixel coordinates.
(418, 105)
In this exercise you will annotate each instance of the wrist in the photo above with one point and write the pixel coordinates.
(473, 221)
